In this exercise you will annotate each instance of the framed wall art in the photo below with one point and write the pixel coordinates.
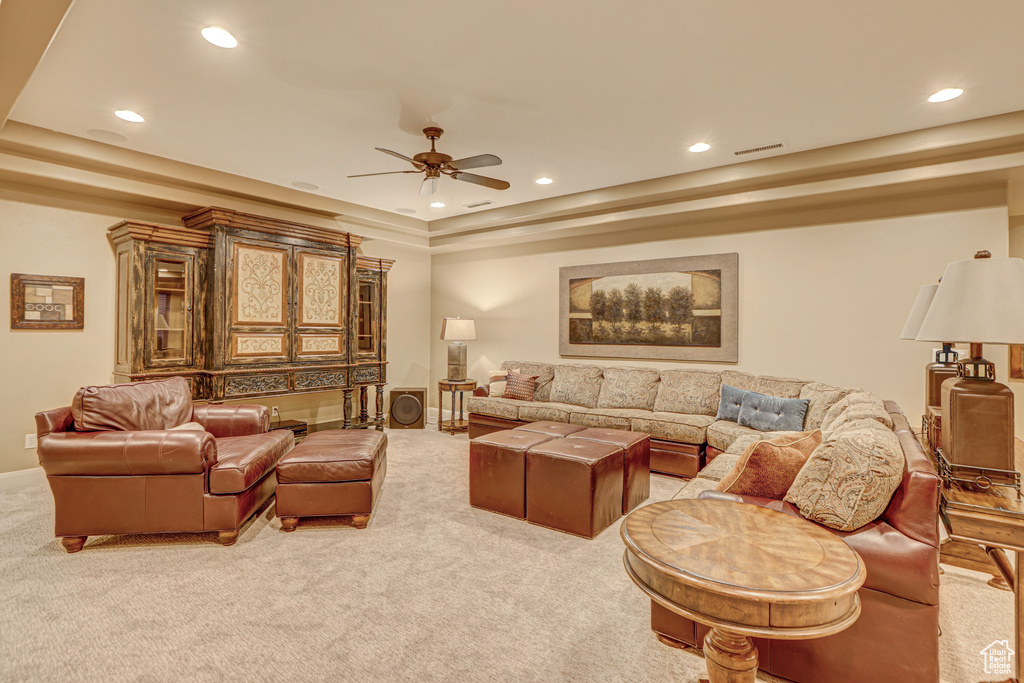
(684, 308)
(47, 302)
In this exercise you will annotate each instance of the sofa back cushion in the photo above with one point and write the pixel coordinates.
(628, 387)
(690, 392)
(861, 405)
(779, 387)
(579, 385)
(822, 397)
(849, 480)
(743, 381)
(156, 404)
(542, 371)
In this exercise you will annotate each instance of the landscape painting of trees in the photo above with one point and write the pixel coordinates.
(663, 305)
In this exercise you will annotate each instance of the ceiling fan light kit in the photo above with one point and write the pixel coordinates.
(434, 164)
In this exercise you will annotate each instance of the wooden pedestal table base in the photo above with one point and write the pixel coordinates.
(744, 571)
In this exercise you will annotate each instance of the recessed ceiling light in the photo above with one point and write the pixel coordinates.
(128, 115)
(946, 94)
(700, 147)
(300, 185)
(437, 205)
(544, 181)
(219, 37)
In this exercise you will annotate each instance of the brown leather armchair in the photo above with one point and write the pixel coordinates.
(116, 465)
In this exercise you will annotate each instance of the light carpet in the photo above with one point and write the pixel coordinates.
(431, 590)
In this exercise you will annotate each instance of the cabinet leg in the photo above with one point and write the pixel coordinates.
(380, 407)
(363, 405)
(348, 409)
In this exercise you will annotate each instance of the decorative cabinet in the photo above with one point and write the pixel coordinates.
(244, 306)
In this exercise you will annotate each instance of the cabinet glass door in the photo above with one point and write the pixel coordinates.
(169, 313)
(368, 320)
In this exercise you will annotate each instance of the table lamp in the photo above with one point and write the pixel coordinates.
(978, 301)
(944, 365)
(457, 330)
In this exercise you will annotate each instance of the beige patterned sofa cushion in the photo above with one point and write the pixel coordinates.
(634, 388)
(676, 427)
(861, 405)
(719, 467)
(822, 397)
(848, 481)
(692, 392)
(780, 387)
(495, 407)
(543, 372)
(741, 380)
(721, 433)
(579, 385)
(541, 412)
(694, 488)
(605, 418)
(740, 443)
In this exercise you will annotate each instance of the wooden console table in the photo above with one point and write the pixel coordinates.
(745, 571)
(460, 386)
(993, 519)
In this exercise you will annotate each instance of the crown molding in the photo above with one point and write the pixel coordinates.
(942, 159)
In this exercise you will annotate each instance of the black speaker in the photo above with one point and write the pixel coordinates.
(408, 408)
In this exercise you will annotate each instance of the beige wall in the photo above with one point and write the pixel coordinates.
(1016, 250)
(42, 370)
(825, 300)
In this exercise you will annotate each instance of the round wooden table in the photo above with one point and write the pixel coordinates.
(744, 571)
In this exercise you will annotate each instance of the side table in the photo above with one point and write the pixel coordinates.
(460, 386)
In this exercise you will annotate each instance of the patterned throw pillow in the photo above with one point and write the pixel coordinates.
(519, 386)
(768, 468)
(496, 383)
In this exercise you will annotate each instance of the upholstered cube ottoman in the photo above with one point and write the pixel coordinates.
(574, 485)
(560, 429)
(636, 464)
(497, 470)
(337, 472)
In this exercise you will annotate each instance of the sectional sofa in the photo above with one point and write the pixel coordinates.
(896, 636)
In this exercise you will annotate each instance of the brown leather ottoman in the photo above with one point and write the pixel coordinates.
(497, 470)
(574, 485)
(636, 464)
(338, 472)
(560, 429)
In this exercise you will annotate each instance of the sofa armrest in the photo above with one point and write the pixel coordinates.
(719, 495)
(57, 420)
(482, 391)
(127, 453)
(222, 420)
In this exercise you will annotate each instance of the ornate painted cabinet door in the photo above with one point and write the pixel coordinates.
(258, 280)
(320, 315)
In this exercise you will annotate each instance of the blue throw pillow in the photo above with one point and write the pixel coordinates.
(771, 414)
(729, 406)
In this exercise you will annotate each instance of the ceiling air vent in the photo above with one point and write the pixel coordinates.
(477, 205)
(762, 148)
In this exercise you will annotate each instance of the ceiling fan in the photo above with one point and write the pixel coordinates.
(434, 164)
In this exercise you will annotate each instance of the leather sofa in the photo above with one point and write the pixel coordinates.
(116, 465)
(896, 637)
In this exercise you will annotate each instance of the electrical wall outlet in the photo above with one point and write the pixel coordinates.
(31, 441)
(274, 413)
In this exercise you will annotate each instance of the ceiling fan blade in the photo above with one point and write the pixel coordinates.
(400, 156)
(479, 161)
(428, 186)
(363, 175)
(492, 183)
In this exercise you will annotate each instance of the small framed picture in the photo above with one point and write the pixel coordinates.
(47, 302)
(1016, 361)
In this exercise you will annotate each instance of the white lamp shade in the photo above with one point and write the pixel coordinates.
(458, 329)
(918, 312)
(978, 301)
